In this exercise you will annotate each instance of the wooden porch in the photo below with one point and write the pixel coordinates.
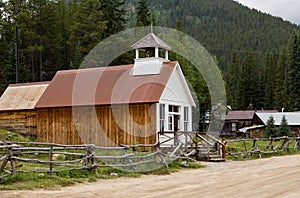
(202, 146)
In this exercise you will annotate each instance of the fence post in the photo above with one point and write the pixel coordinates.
(50, 158)
(90, 149)
(12, 162)
(7, 158)
(223, 149)
(5, 161)
(197, 141)
(245, 145)
(296, 143)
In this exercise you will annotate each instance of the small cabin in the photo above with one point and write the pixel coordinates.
(125, 104)
(244, 119)
(17, 107)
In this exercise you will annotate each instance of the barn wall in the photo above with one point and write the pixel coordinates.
(102, 125)
(256, 133)
(19, 121)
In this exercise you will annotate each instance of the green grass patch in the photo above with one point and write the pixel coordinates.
(29, 181)
(8, 135)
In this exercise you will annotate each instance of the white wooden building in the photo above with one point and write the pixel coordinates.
(174, 109)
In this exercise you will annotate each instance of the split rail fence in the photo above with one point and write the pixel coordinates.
(245, 147)
(51, 158)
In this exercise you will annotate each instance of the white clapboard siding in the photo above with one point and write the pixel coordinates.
(177, 90)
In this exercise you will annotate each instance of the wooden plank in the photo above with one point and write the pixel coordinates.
(61, 127)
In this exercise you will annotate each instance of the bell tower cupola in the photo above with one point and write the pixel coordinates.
(148, 52)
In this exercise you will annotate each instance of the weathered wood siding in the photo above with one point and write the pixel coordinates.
(102, 125)
(255, 133)
(23, 121)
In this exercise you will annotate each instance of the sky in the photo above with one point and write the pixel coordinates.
(289, 10)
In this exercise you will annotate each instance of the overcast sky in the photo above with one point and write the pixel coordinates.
(287, 9)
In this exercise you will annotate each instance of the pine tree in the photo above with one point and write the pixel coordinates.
(280, 90)
(88, 29)
(249, 83)
(284, 129)
(144, 17)
(270, 81)
(232, 81)
(271, 130)
(10, 67)
(293, 73)
(114, 15)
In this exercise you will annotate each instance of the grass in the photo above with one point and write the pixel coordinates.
(236, 150)
(7, 135)
(29, 181)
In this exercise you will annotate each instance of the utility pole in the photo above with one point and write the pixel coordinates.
(17, 55)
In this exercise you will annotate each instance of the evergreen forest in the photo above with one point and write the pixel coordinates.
(258, 54)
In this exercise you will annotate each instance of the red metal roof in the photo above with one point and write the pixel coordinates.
(106, 85)
(240, 115)
(245, 115)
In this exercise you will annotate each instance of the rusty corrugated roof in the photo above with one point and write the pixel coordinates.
(22, 96)
(245, 115)
(240, 115)
(106, 85)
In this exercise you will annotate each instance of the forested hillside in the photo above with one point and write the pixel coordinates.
(224, 27)
(258, 54)
(251, 48)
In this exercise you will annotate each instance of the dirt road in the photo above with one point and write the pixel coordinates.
(272, 177)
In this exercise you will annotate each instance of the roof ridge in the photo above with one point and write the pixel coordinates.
(105, 68)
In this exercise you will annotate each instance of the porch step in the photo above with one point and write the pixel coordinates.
(215, 158)
(219, 159)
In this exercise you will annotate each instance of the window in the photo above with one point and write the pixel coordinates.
(170, 123)
(173, 109)
(186, 119)
(233, 126)
(162, 117)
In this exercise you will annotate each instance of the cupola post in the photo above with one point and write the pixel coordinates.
(137, 54)
(156, 52)
(167, 55)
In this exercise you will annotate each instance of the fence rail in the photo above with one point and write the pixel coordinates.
(261, 146)
(47, 157)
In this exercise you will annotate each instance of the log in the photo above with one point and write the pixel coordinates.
(114, 157)
(175, 150)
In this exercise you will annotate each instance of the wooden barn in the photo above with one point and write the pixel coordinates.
(17, 105)
(115, 105)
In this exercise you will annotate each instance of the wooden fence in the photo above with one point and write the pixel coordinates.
(240, 147)
(48, 157)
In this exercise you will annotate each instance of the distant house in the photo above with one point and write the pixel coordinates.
(17, 105)
(293, 119)
(236, 120)
(116, 105)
